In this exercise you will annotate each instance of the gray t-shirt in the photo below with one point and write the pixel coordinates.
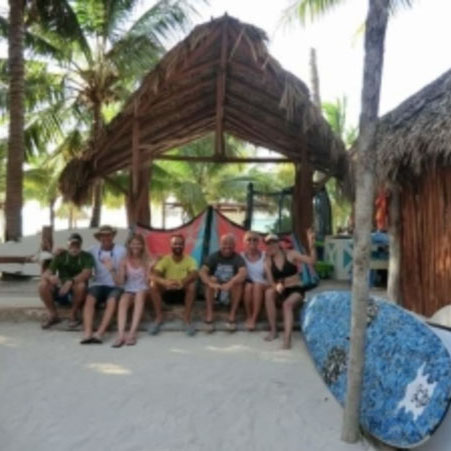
(102, 276)
(224, 268)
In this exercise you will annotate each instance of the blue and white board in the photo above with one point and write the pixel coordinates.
(407, 374)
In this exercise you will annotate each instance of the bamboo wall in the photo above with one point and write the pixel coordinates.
(426, 242)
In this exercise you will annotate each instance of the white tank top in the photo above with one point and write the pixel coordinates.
(255, 270)
(135, 279)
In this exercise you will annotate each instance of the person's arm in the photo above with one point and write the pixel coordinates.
(119, 275)
(297, 257)
(239, 277)
(192, 273)
(204, 275)
(50, 273)
(269, 277)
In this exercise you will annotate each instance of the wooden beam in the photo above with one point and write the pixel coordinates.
(220, 93)
(135, 153)
(221, 159)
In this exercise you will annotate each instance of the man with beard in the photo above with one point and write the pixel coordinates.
(173, 280)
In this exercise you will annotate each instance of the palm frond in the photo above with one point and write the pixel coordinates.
(306, 11)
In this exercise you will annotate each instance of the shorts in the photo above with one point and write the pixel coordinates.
(290, 290)
(104, 292)
(174, 296)
(65, 300)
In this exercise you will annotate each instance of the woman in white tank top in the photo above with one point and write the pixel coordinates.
(256, 284)
(134, 275)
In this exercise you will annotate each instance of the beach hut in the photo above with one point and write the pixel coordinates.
(220, 79)
(414, 157)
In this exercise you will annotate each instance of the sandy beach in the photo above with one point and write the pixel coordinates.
(167, 393)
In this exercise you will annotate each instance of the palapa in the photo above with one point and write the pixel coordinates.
(219, 79)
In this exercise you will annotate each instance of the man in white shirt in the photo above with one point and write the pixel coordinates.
(103, 288)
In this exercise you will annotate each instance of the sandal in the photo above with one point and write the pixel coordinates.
(73, 323)
(209, 327)
(118, 343)
(190, 330)
(271, 337)
(231, 326)
(131, 341)
(154, 328)
(49, 322)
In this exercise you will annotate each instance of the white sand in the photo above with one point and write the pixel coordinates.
(169, 392)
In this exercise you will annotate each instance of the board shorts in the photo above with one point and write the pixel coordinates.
(174, 296)
(102, 293)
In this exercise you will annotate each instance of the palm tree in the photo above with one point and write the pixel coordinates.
(101, 59)
(13, 204)
(376, 25)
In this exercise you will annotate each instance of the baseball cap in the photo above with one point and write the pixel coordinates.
(75, 238)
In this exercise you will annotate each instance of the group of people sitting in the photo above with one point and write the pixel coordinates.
(122, 278)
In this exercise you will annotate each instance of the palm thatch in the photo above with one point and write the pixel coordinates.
(417, 134)
(219, 79)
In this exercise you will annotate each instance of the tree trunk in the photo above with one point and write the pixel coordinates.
(376, 25)
(52, 213)
(98, 186)
(96, 204)
(316, 98)
(394, 230)
(71, 217)
(16, 144)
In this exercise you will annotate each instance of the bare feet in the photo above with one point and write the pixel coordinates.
(271, 336)
(286, 343)
(250, 325)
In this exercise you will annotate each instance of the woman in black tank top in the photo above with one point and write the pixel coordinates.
(282, 272)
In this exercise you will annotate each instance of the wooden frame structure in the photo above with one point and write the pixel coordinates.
(220, 79)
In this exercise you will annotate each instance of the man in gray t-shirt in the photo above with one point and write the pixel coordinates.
(223, 272)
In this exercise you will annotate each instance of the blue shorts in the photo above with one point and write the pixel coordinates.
(104, 292)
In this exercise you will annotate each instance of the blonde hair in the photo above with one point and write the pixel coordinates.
(251, 233)
(145, 258)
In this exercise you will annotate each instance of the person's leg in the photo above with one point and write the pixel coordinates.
(46, 294)
(271, 313)
(110, 308)
(258, 292)
(289, 304)
(247, 299)
(235, 293)
(88, 315)
(190, 294)
(78, 297)
(140, 299)
(209, 301)
(156, 292)
(124, 304)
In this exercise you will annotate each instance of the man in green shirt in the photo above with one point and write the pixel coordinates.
(65, 281)
(173, 279)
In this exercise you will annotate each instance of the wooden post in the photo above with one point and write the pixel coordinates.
(220, 95)
(302, 203)
(394, 231)
(135, 152)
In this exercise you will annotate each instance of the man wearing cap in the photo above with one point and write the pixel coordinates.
(65, 281)
(173, 279)
(223, 273)
(103, 289)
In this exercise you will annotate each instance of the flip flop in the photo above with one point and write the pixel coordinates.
(209, 327)
(49, 322)
(231, 326)
(154, 328)
(190, 330)
(73, 323)
(86, 341)
(118, 343)
(130, 341)
(96, 341)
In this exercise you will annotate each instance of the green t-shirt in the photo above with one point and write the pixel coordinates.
(68, 266)
(170, 269)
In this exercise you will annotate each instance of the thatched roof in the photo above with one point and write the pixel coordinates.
(220, 79)
(417, 134)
